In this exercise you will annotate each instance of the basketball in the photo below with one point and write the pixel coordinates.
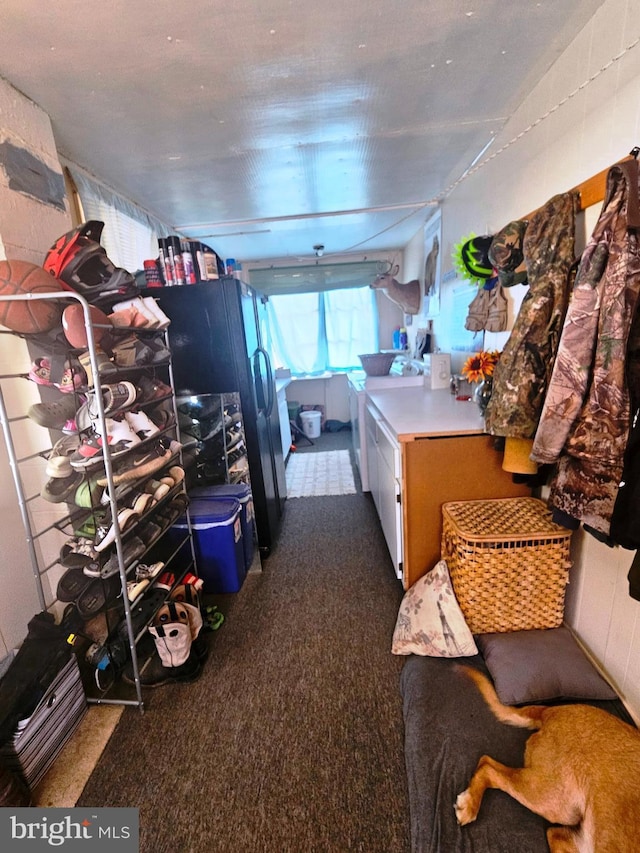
(74, 327)
(28, 317)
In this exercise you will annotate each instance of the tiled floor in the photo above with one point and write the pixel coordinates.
(64, 782)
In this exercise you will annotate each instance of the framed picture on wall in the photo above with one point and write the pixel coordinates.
(432, 265)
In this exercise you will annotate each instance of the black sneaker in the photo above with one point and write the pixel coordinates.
(114, 398)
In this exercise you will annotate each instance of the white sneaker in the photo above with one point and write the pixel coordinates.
(120, 439)
(141, 424)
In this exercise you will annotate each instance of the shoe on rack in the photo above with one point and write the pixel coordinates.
(166, 581)
(58, 460)
(176, 473)
(149, 532)
(59, 467)
(160, 353)
(70, 427)
(141, 424)
(143, 611)
(120, 439)
(58, 489)
(144, 571)
(192, 584)
(105, 366)
(114, 398)
(97, 596)
(53, 415)
(150, 389)
(87, 526)
(173, 477)
(133, 548)
(76, 552)
(157, 488)
(106, 533)
(139, 502)
(89, 493)
(132, 352)
(172, 511)
(71, 585)
(162, 415)
(40, 373)
(136, 588)
(141, 463)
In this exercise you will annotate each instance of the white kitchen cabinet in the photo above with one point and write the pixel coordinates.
(384, 469)
(428, 449)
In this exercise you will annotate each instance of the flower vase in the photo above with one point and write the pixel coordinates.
(482, 394)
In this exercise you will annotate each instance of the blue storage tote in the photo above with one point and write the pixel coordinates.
(241, 492)
(217, 539)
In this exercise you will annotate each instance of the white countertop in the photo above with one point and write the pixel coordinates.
(361, 382)
(282, 382)
(420, 412)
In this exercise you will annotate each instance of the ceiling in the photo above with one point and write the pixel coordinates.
(265, 128)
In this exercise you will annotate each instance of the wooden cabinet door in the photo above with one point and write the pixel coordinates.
(436, 470)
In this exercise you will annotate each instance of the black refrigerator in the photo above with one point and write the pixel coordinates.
(216, 340)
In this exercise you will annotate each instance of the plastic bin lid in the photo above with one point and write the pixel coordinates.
(240, 491)
(212, 512)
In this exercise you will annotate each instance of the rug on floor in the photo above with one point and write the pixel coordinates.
(314, 474)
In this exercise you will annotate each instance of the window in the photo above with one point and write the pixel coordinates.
(130, 235)
(311, 333)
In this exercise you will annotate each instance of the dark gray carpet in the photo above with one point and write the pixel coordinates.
(291, 740)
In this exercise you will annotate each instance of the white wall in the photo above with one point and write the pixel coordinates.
(569, 128)
(27, 228)
(330, 391)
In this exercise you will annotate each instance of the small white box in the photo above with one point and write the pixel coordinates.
(437, 369)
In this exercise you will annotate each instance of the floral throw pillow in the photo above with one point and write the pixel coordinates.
(430, 621)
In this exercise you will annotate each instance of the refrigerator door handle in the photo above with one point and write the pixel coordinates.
(270, 384)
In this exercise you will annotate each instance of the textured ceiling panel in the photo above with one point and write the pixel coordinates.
(244, 111)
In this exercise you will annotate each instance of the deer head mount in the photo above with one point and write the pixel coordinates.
(407, 296)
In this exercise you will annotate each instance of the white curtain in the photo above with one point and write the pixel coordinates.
(311, 333)
(130, 234)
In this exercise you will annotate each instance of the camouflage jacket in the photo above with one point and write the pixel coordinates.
(521, 376)
(585, 421)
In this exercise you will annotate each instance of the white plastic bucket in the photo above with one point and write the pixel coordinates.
(311, 423)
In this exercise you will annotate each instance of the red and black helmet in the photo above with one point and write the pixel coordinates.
(81, 263)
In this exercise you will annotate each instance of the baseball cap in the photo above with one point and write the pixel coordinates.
(506, 255)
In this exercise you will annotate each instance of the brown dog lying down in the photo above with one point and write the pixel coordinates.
(581, 770)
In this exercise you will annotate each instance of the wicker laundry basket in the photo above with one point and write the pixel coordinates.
(509, 563)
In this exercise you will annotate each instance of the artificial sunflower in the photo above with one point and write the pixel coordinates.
(480, 366)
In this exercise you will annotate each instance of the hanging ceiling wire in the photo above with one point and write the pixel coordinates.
(436, 200)
(576, 91)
